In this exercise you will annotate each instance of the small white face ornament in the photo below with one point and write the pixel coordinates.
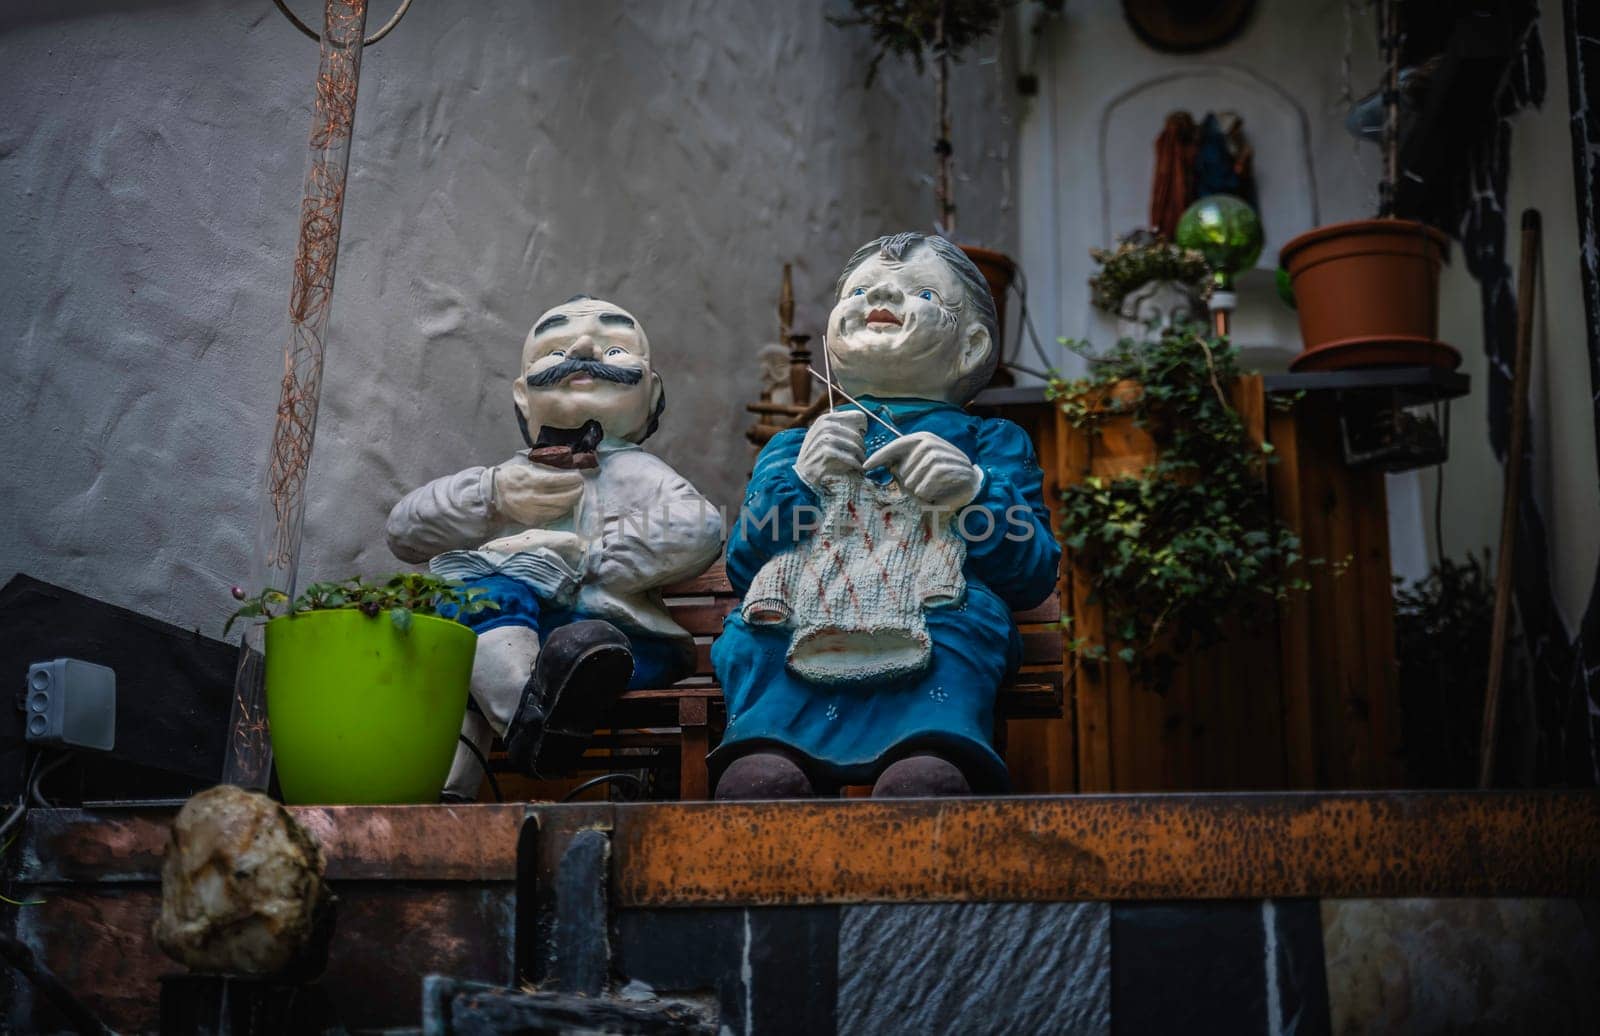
(1155, 306)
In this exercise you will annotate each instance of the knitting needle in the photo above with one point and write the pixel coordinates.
(827, 365)
(851, 399)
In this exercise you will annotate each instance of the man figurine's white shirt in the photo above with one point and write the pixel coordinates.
(639, 527)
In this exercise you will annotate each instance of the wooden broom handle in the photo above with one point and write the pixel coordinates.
(1500, 632)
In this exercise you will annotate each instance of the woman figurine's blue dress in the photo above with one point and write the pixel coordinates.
(880, 557)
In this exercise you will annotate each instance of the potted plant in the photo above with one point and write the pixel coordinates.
(366, 686)
(1172, 528)
(944, 30)
(1443, 624)
(1367, 291)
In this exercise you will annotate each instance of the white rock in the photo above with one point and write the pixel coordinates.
(242, 889)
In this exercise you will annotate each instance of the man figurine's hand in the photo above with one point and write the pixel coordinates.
(534, 495)
(930, 469)
(833, 446)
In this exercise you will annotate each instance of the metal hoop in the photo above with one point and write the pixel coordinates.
(387, 28)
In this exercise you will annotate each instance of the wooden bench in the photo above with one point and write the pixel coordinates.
(689, 715)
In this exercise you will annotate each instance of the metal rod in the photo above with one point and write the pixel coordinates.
(851, 399)
(248, 760)
(1388, 190)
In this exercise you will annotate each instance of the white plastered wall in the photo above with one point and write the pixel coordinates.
(507, 154)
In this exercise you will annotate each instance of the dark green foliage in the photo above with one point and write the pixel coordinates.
(400, 596)
(1135, 263)
(910, 28)
(1175, 555)
(1442, 627)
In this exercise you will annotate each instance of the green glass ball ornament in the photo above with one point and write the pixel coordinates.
(1224, 229)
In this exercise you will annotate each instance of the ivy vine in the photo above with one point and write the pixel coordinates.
(1191, 543)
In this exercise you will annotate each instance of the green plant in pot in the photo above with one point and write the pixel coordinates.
(938, 32)
(366, 686)
(1443, 625)
(1177, 539)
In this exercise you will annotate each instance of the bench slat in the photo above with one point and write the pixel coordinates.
(701, 618)
(713, 582)
(1048, 611)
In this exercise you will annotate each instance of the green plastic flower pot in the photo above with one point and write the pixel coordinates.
(362, 712)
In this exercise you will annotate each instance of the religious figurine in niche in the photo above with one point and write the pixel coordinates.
(1194, 160)
(1224, 162)
(879, 557)
(571, 540)
(1150, 285)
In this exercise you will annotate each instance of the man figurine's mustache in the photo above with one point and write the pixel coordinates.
(594, 368)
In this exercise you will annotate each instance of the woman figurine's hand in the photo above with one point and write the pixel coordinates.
(930, 469)
(833, 446)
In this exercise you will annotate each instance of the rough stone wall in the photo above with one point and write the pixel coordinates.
(507, 155)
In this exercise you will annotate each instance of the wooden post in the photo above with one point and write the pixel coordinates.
(1294, 615)
(1505, 562)
(1090, 679)
(694, 781)
(1041, 753)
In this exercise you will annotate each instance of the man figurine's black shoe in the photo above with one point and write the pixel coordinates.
(582, 669)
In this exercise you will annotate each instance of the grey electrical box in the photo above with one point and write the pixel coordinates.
(71, 703)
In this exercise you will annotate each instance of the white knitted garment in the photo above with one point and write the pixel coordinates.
(854, 592)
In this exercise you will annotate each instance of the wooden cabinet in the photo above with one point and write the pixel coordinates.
(1309, 701)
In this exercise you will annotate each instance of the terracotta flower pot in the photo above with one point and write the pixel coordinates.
(998, 269)
(1367, 293)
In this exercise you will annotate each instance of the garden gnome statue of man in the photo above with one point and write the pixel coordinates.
(879, 557)
(571, 541)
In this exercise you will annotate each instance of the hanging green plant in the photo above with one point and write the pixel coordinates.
(1176, 553)
(915, 28)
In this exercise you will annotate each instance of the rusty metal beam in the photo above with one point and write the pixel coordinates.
(372, 843)
(421, 889)
(1123, 847)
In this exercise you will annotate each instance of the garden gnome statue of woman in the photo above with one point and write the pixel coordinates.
(879, 568)
(571, 541)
